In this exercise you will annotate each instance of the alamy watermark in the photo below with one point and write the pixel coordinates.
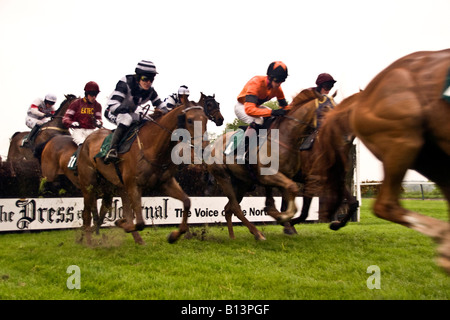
(261, 148)
(74, 280)
(374, 281)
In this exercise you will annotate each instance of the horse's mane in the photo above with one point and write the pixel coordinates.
(334, 134)
(69, 97)
(303, 97)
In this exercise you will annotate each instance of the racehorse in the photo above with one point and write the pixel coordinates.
(147, 165)
(336, 137)
(47, 131)
(211, 108)
(401, 117)
(236, 179)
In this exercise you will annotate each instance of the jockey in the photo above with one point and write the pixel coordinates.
(131, 91)
(39, 113)
(83, 116)
(261, 89)
(174, 100)
(258, 90)
(325, 83)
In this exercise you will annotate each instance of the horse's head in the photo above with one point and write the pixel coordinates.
(192, 118)
(211, 108)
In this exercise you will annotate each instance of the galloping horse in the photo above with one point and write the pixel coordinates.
(47, 131)
(236, 179)
(211, 108)
(402, 118)
(147, 165)
(335, 139)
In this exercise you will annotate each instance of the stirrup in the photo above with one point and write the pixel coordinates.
(111, 156)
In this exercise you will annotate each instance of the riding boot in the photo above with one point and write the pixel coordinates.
(29, 140)
(73, 163)
(113, 154)
(249, 140)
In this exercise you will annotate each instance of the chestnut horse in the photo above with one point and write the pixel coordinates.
(58, 151)
(236, 179)
(402, 119)
(336, 137)
(147, 165)
(47, 131)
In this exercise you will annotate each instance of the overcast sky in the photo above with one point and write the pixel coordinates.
(211, 46)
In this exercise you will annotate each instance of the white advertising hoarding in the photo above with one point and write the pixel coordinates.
(63, 213)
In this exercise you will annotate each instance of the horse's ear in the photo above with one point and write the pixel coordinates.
(202, 98)
(184, 100)
(334, 94)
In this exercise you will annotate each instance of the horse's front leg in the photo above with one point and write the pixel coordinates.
(126, 222)
(173, 189)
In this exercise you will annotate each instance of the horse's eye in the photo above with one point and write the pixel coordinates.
(189, 121)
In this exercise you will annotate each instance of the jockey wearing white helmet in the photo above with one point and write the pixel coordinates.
(174, 99)
(39, 113)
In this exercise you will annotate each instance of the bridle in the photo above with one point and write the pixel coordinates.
(205, 107)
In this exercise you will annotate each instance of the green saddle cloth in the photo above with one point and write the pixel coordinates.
(446, 93)
(124, 144)
(105, 147)
(234, 142)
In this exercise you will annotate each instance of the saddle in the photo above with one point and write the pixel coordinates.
(124, 144)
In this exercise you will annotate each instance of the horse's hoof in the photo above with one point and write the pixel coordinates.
(335, 225)
(140, 226)
(290, 231)
(173, 236)
(260, 237)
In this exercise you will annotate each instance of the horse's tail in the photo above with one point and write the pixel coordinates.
(38, 150)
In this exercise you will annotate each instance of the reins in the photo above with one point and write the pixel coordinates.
(165, 166)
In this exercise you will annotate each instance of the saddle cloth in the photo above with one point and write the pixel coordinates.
(446, 93)
(124, 144)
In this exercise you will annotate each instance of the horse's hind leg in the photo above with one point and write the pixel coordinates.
(90, 206)
(234, 195)
(387, 205)
(436, 169)
(105, 207)
(228, 218)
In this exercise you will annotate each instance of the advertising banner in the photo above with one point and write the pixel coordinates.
(64, 213)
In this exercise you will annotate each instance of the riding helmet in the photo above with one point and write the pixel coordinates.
(92, 86)
(324, 77)
(145, 67)
(50, 97)
(278, 71)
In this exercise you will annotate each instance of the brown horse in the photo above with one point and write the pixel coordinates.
(402, 118)
(211, 108)
(336, 137)
(147, 165)
(236, 179)
(47, 131)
